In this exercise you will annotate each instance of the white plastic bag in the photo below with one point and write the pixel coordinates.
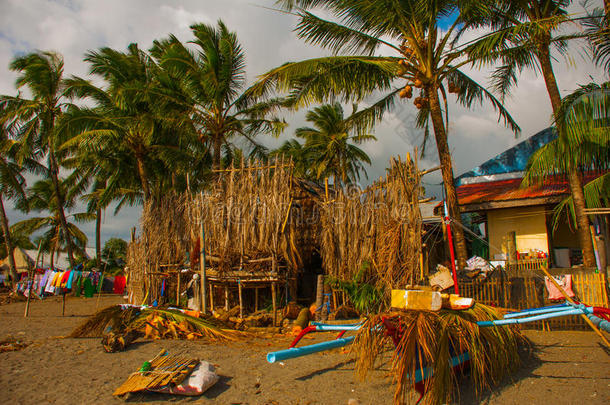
(201, 379)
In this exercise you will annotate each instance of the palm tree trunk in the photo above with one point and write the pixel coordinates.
(143, 177)
(217, 152)
(444, 156)
(60, 205)
(576, 188)
(8, 242)
(98, 237)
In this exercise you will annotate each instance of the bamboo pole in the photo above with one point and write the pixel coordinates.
(178, 288)
(273, 293)
(241, 302)
(211, 297)
(570, 300)
(226, 297)
(204, 304)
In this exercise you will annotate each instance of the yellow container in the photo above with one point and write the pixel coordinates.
(416, 299)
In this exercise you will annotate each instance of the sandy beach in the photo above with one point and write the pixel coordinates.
(565, 367)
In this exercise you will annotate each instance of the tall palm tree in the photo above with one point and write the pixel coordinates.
(132, 117)
(585, 116)
(525, 33)
(41, 73)
(331, 145)
(423, 62)
(12, 185)
(213, 78)
(40, 197)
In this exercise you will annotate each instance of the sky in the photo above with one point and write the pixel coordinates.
(72, 27)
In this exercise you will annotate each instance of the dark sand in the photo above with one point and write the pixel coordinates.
(566, 368)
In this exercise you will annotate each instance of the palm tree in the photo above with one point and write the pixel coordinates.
(12, 185)
(35, 119)
(331, 147)
(133, 117)
(424, 62)
(40, 197)
(300, 157)
(585, 115)
(524, 34)
(213, 78)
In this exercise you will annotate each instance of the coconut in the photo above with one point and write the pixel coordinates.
(418, 83)
(403, 93)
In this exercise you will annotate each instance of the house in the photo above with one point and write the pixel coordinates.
(492, 192)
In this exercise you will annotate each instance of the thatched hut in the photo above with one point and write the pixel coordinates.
(259, 232)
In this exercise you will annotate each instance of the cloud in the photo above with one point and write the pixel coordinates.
(72, 27)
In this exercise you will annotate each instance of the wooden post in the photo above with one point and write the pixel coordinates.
(63, 304)
(570, 300)
(274, 303)
(227, 297)
(211, 297)
(511, 246)
(256, 299)
(241, 302)
(178, 288)
(204, 304)
(319, 296)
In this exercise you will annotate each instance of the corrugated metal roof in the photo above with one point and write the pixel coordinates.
(507, 190)
(513, 160)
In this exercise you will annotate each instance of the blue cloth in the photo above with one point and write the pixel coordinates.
(71, 278)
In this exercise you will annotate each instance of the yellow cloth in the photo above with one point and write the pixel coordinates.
(54, 281)
(57, 282)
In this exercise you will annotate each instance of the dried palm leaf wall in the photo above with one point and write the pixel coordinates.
(378, 229)
(165, 240)
(253, 219)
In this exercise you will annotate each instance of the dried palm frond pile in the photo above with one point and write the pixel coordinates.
(169, 324)
(426, 339)
(253, 220)
(119, 326)
(378, 229)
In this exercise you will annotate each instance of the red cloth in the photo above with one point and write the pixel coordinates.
(64, 278)
(119, 284)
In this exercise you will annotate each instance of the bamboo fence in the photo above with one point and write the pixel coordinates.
(530, 292)
(376, 232)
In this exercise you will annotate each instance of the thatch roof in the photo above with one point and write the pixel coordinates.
(22, 260)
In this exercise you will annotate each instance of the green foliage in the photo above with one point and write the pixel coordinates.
(114, 254)
(330, 147)
(584, 145)
(365, 297)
